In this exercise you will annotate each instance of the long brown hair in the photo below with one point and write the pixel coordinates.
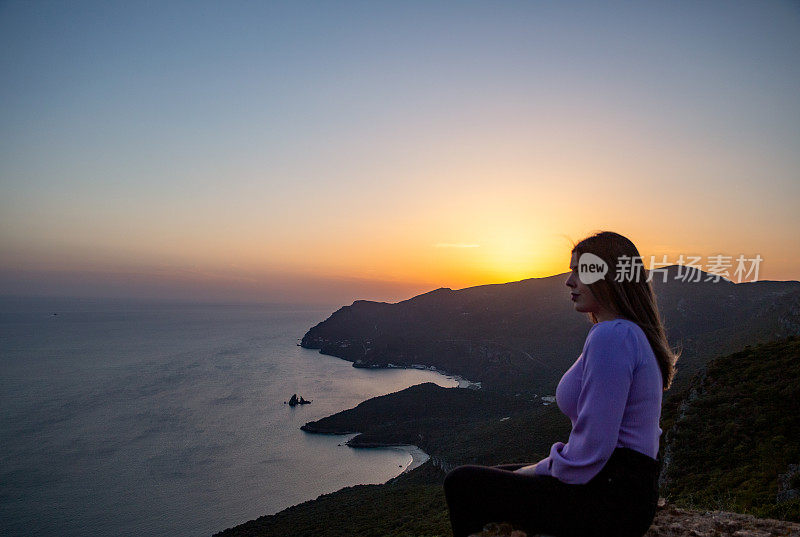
(626, 291)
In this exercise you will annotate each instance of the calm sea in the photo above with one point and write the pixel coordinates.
(152, 419)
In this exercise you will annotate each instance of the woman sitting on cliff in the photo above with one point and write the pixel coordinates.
(604, 480)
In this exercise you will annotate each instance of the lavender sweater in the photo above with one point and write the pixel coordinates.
(612, 396)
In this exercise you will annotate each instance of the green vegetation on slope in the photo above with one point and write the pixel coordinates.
(735, 431)
(392, 510)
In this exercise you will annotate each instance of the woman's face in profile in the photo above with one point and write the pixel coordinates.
(580, 293)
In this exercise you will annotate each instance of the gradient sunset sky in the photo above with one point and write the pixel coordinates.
(332, 151)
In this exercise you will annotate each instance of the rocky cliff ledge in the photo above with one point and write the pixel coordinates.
(671, 521)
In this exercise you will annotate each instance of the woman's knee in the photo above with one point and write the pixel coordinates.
(459, 475)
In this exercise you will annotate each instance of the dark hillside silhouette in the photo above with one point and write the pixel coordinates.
(520, 337)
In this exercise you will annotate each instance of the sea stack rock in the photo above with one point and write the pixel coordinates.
(294, 400)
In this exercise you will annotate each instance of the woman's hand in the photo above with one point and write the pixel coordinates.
(527, 470)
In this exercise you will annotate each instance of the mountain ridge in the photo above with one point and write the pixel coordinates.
(520, 336)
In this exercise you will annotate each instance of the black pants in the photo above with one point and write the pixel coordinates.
(620, 501)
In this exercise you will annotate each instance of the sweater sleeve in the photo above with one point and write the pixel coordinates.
(607, 373)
